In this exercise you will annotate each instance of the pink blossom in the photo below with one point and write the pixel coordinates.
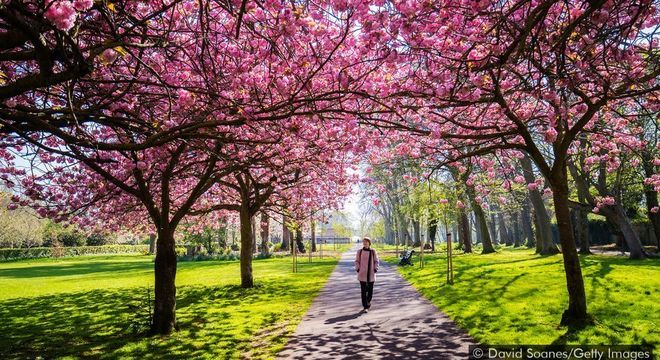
(185, 97)
(82, 5)
(655, 210)
(443, 201)
(532, 186)
(550, 135)
(608, 200)
(62, 14)
(460, 205)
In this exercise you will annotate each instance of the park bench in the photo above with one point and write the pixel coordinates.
(406, 258)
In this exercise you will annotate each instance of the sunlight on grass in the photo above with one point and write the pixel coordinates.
(78, 307)
(517, 297)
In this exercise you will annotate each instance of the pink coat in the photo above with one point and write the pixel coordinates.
(362, 265)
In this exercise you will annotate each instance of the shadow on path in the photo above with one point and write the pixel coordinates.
(401, 324)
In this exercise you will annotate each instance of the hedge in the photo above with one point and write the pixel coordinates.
(46, 252)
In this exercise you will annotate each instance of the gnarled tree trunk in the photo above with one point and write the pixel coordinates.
(480, 217)
(651, 197)
(253, 222)
(577, 300)
(265, 222)
(545, 245)
(527, 224)
(517, 234)
(299, 240)
(164, 318)
(313, 234)
(618, 217)
(492, 226)
(152, 243)
(465, 231)
(504, 231)
(286, 234)
(245, 218)
(416, 233)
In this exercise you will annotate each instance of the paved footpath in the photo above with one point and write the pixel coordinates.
(400, 325)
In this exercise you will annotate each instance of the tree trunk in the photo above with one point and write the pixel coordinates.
(164, 321)
(504, 231)
(481, 222)
(458, 233)
(652, 200)
(465, 231)
(265, 222)
(542, 220)
(313, 238)
(404, 236)
(582, 230)
(477, 228)
(492, 227)
(253, 224)
(537, 233)
(618, 217)
(286, 234)
(577, 300)
(299, 240)
(389, 232)
(580, 219)
(416, 233)
(527, 224)
(517, 234)
(152, 243)
(246, 247)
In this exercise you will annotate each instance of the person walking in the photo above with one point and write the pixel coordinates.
(366, 265)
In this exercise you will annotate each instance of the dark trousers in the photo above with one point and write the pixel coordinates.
(367, 291)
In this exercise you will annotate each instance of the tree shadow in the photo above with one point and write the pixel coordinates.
(109, 268)
(401, 323)
(215, 321)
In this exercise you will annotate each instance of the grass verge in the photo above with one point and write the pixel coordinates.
(79, 307)
(517, 297)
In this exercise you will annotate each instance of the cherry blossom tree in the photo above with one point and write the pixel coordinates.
(254, 85)
(520, 75)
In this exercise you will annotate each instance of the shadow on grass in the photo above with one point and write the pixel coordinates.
(94, 324)
(518, 297)
(54, 270)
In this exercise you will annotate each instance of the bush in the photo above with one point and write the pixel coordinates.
(98, 239)
(205, 257)
(55, 233)
(45, 252)
(73, 238)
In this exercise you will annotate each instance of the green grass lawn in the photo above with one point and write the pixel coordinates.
(78, 307)
(517, 297)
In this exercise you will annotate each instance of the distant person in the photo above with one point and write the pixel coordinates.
(366, 265)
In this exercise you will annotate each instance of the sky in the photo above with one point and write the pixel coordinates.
(352, 208)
